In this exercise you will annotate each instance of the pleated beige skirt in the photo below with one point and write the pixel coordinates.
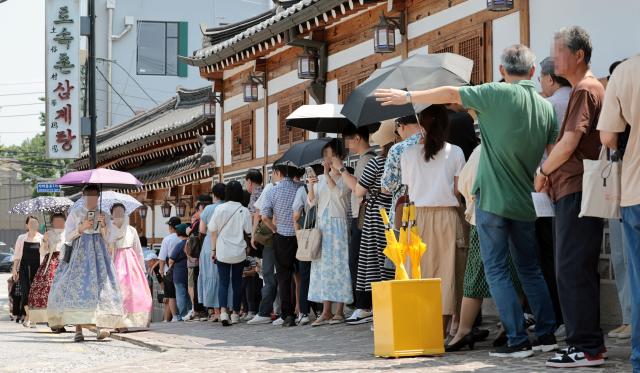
(437, 227)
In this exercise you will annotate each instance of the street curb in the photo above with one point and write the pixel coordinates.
(137, 342)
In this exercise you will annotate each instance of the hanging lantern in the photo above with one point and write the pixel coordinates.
(250, 88)
(384, 37)
(499, 5)
(166, 210)
(142, 210)
(250, 91)
(307, 66)
(182, 208)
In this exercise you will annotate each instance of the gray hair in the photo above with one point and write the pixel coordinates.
(576, 38)
(518, 60)
(547, 66)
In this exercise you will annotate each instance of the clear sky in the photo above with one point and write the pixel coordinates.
(21, 69)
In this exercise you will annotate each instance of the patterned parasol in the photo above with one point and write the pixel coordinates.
(42, 204)
(109, 198)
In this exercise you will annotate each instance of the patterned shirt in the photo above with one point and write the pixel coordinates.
(392, 175)
(279, 203)
(257, 190)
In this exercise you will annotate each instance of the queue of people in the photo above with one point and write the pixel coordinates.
(237, 259)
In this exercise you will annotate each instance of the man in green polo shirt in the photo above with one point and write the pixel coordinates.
(516, 125)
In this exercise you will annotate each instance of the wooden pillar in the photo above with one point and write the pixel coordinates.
(524, 22)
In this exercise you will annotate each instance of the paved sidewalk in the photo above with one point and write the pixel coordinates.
(194, 346)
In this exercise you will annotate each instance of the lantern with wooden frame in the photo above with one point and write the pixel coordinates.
(142, 211)
(499, 5)
(250, 87)
(181, 208)
(308, 65)
(384, 34)
(166, 210)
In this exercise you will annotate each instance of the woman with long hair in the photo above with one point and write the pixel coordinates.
(430, 171)
(330, 280)
(26, 261)
(50, 251)
(85, 290)
(128, 260)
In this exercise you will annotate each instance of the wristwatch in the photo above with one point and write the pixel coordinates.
(407, 96)
(342, 170)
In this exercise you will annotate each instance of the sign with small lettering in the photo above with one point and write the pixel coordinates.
(63, 79)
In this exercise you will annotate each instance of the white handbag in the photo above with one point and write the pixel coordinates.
(309, 243)
(601, 187)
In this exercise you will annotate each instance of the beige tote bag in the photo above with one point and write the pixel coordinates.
(601, 187)
(309, 243)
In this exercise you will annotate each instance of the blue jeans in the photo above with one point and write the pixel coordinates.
(270, 287)
(619, 262)
(631, 227)
(183, 301)
(494, 232)
(230, 273)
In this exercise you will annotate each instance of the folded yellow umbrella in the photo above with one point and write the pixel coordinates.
(416, 246)
(393, 250)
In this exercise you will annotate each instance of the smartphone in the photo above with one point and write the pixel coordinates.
(310, 172)
(91, 215)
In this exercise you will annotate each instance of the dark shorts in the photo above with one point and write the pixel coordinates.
(169, 289)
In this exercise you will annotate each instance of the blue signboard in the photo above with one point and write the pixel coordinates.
(48, 188)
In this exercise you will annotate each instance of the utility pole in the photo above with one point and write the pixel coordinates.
(91, 84)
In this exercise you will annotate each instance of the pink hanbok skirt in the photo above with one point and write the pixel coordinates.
(136, 296)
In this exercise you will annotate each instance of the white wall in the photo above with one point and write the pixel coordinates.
(612, 25)
(506, 32)
(273, 128)
(259, 131)
(160, 88)
(227, 142)
(162, 229)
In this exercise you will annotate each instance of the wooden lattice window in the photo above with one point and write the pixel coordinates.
(242, 137)
(289, 136)
(347, 86)
(467, 43)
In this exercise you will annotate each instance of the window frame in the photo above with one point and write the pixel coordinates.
(166, 37)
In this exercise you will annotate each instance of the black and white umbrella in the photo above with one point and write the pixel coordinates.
(323, 118)
(42, 204)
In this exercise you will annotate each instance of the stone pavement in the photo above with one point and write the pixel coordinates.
(194, 346)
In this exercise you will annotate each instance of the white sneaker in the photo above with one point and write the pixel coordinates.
(235, 318)
(303, 320)
(224, 319)
(248, 317)
(278, 322)
(561, 333)
(257, 319)
(188, 316)
(175, 319)
(360, 317)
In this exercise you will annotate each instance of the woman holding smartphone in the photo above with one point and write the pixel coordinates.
(85, 290)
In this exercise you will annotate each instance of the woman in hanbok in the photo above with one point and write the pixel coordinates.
(128, 260)
(26, 260)
(85, 288)
(50, 252)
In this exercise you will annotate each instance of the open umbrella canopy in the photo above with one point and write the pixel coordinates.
(323, 118)
(106, 178)
(110, 198)
(41, 204)
(305, 153)
(418, 72)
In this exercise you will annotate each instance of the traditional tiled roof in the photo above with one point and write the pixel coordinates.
(176, 172)
(181, 112)
(239, 40)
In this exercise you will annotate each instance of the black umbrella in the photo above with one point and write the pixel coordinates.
(323, 118)
(305, 153)
(418, 72)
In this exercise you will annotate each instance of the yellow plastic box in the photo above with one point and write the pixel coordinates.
(407, 318)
